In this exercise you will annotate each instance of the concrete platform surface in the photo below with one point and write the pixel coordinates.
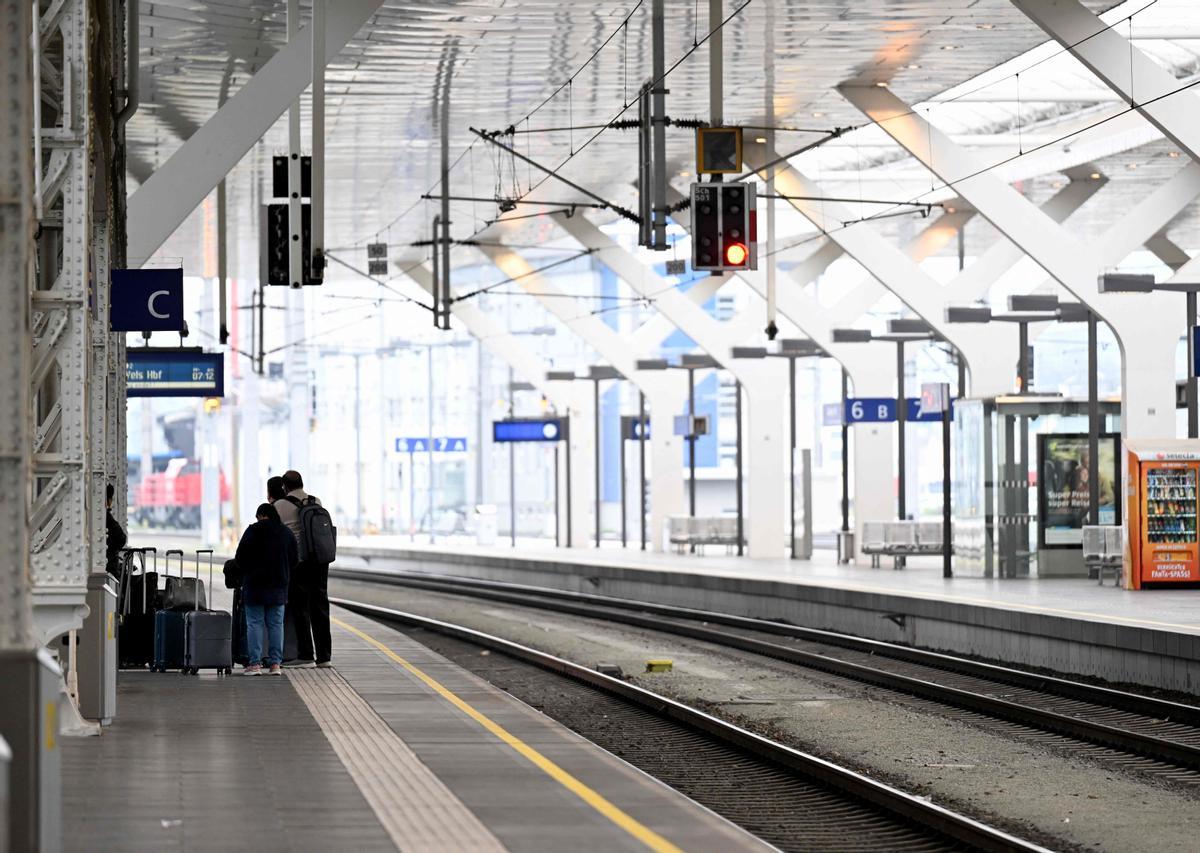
(394, 748)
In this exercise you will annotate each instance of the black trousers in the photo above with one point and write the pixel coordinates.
(318, 610)
(295, 617)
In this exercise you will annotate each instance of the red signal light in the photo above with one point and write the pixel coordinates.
(736, 254)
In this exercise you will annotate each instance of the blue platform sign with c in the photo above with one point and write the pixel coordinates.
(149, 300)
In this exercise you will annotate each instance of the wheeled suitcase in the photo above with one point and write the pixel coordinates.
(207, 634)
(137, 601)
(182, 593)
(241, 644)
(168, 629)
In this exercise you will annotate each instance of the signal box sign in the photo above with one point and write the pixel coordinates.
(718, 150)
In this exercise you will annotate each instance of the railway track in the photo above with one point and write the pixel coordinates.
(789, 798)
(1140, 733)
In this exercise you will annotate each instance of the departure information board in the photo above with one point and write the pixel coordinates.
(174, 373)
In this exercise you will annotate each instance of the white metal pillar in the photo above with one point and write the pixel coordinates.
(16, 267)
(62, 536)
(1147, 327)
(764, 380)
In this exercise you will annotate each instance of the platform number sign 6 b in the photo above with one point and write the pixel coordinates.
(870, 410)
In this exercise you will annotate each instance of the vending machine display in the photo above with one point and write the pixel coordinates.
(1163, 546)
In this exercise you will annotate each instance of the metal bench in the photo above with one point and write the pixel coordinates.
(1104, 551)
(686, 532)
(900, 539)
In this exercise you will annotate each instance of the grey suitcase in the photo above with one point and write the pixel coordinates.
(207, 634)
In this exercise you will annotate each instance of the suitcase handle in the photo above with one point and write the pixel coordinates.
(198, 552)
(173, 552)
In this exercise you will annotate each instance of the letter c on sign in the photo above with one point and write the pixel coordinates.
(150, 304)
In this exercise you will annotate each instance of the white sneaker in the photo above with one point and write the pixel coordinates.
(255, 669)
(325, 664)
(298, 664)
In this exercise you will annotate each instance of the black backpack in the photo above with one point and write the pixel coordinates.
(318, 536)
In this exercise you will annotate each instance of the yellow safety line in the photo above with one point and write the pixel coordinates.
(594, 799)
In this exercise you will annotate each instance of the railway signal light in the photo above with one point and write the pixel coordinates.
(724, 226)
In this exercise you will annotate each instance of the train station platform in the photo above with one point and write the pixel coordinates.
(1149, 638)
(393, 748)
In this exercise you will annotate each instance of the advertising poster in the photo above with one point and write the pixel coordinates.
(1063, 466)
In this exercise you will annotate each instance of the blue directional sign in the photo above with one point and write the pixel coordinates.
(412, 445)
(149, 300)
(882, 410)
(529, 429)
(174, 373)
(870, 410)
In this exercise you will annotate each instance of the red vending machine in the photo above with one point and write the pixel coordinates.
(1161, 544)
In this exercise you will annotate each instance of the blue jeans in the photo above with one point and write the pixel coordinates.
(256, 614)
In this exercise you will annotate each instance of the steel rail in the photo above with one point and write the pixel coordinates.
(616, 610)
(903, 805)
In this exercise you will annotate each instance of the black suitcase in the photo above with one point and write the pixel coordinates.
(207, 634)
(182, 593)
(136, 603)
(168, 629)
(241, 647)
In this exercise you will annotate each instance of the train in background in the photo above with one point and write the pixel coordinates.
(169, 495)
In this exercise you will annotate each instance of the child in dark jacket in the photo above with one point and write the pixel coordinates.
(266, 556)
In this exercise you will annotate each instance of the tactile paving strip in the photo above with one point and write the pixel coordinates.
(418, 811)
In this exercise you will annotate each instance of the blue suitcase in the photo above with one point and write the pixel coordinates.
(169, 630)
(168, 640)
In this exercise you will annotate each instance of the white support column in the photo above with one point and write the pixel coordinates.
(1124, 68)
(573, 399)
(764, 380)
(1147, 326)
(666, 392)
(161, 204)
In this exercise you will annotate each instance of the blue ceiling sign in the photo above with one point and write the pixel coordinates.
(149, 300)
(882, 410)
(529, 429)
(174, 373)
(440, 444)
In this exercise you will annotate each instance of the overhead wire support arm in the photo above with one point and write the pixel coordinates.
(616, 208)
(514, 201)
(378, 281)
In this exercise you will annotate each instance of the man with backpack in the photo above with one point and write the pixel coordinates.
(308, 593)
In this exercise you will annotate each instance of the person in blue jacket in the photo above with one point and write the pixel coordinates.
(266, 556)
